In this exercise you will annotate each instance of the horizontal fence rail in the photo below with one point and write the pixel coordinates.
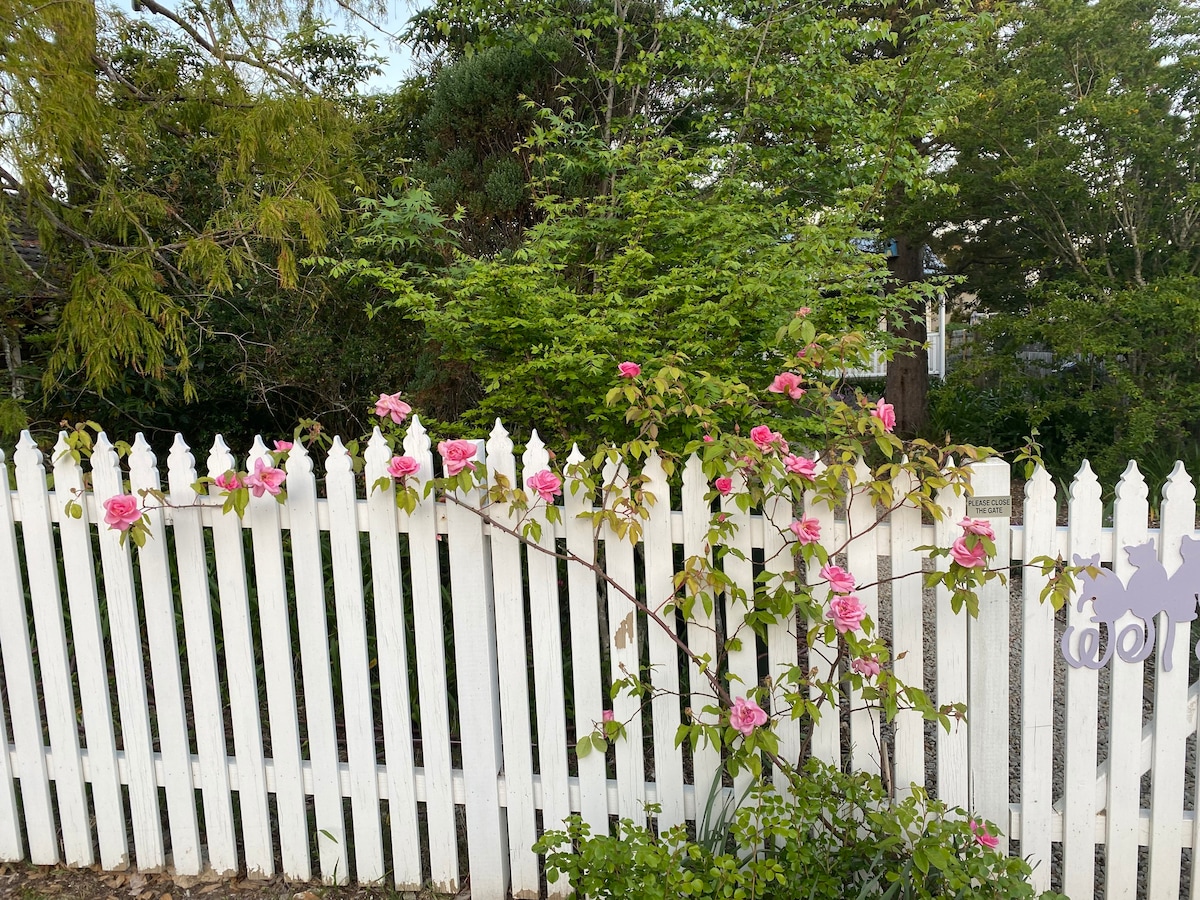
(335, 688)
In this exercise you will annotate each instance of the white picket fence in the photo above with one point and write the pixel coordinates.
(157, 712)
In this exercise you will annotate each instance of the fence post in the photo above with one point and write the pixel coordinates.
(988, 700)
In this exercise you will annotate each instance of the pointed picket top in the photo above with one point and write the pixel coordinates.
(693, 472)
(338, 459)
(181, 468)
(535, 458)
(220, 459)
(653, 471)
(1040, 485)
(417, 443)
(28, 455)
(1179, 487)
(299, 460)
(500, 452)
(61, 449)
(378, 454)
(1085, 488)
(1132, 487)
(68, 475)
(258, 450)
(143, 464)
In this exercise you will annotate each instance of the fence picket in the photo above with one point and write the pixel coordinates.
(1122, 809)
(623, 641)
(664, 652)
(1170, 696)
(87, 641)
(431, 664)
(862, 558)
(586, 671)
(158, 603)
(827, 730)
(509, 593)
(951, 653)
(126, 634)
(988, 693)
(308, 576)
(11, 847)
(908, 634)
(782, 649)
(242, 678)
(41, 557)
(20, 682)
(279, 676)
(478, 705)
(394, 688)
(1037, 683)
(219, 836)
(355, 663)
(738, 565)
(547, 653)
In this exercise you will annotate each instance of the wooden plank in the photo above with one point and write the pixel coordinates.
(12, 849)
(431, 664)
(951, 650)
(989, 700)
(19, 682)
(355, 663)
(862, 560)
(262, 516)
(624, 639)
(742, 659)
(158, 602)
(1038, 651)
(509, 592)
(308, 576)
(242, 678)
(826, 738)
(585, 643)
(478, 690)
(702, 625)
(126, 634)
(220, 838)
(908, 634)
(1170, 697)
(90, 654)
(782, 647)
(388, 590)
(548, 680)
(1123, 799)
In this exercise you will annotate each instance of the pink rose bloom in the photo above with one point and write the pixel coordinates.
(546, 483)
(724, 485)
(121, 511)
(708, 439)
(787, 383)
(800, 465)
(981, 527)
(982, 837)
(867, 666)
(403, 466)
(227, 481)
(457, 456)
(968, 559)
(629, 370)
(840, 581)
(265, 479)
(283, 446)
(391, 406)
(804, 310)
(806, 530)
(608, 715)
(846, 612)
(746, 715)
(885, 413)
(766, 439)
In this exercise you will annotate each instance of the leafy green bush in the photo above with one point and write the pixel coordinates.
(832, 836)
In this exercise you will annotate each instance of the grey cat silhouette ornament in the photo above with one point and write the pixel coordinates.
(1150, 593)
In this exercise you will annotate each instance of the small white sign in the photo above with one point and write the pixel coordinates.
(989, 507)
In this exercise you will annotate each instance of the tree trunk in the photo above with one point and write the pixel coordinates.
(908, 372)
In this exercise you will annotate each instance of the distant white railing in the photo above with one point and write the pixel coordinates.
(230, 626)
